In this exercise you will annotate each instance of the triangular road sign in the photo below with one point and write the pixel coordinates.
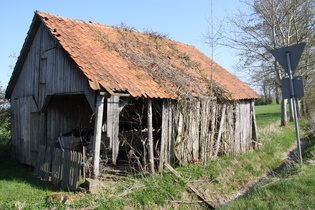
(295, 55)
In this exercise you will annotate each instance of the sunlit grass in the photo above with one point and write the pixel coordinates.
(267, 114)
(295, 191)
(291, 188)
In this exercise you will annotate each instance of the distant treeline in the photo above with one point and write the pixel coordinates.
(263, 101)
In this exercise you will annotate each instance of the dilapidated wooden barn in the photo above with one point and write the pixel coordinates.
(112, 93)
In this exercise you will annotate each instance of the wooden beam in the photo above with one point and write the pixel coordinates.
(164, 136)
(113, 125)
(150, 136)
(122, 94)
(190, 185)
(218, 141)
(255, 130)
(99, 109)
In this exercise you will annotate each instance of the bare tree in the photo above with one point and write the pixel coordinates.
(265, 25)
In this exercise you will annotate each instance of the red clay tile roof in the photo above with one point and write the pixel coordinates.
(142, 64)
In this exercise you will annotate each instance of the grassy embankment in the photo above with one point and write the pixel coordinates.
(291, 188)
(220, 180)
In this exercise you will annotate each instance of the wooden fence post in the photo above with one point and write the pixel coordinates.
(99, 109)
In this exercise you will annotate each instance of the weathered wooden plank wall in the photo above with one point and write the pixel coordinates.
(61, 167)
(43, 164)
(207, 129)
(167, 142)
(22, 126)
(15, 126)
(46, 71)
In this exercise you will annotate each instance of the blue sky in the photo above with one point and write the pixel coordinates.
(183, 20)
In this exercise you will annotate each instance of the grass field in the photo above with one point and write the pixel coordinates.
(267, 114)
(18, 187)
(221, 178)
(293, 188)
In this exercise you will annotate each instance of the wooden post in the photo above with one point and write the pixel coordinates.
(150, 136)
(99, 109)
(113, 110)
(164, 149)
(254, 125)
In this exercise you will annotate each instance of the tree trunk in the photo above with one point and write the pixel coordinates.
(303, 107)
(277, 95)
(291, 110)
(298, 108)
(283, 112)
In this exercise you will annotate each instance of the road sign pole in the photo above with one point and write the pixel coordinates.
(294, 107)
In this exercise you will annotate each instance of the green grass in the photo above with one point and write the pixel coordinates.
(267, 114)
(291, 189)
(18, 186)
(220, 178)
(297, 192)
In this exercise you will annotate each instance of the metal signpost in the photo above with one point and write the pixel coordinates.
(288, 58)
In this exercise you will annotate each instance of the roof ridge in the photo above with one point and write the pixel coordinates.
(122, 26)
(45, 14)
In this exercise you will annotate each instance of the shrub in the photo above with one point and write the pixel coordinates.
(4, 123)
(263, 101)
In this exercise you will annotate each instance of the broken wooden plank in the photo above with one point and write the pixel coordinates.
(221, 128)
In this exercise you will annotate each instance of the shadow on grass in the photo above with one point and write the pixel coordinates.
(265, 119)
(16, 172)
(269, 115)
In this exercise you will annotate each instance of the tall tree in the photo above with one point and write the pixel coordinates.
(264, 25)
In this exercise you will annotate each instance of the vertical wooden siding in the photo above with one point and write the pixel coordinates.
(206, 129)
(21, 128)
(167, 140)
(61, 167)
(47, 70)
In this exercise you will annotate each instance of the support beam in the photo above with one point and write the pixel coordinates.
(150, 136)
(99, 109)
(164, 137)
(113, 110)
